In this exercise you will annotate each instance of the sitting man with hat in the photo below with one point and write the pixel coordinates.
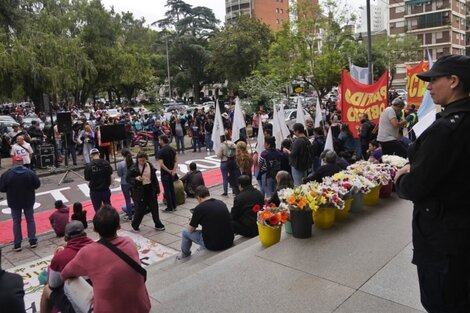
(53, 293)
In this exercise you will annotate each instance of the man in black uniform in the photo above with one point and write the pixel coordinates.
(98, 172)
(168, 164)
(436, 180)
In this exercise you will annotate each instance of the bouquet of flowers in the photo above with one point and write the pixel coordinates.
(376, 173)
(394, 160)
(296, 198)
(329, 195)
(346, 182)
(271, 215)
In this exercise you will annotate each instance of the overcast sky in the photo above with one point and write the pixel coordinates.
(153, 10)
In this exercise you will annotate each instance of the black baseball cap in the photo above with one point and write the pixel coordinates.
(458, 65)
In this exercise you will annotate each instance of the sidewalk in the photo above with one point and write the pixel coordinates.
(361, 265)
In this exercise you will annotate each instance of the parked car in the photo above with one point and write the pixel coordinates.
(290, 115)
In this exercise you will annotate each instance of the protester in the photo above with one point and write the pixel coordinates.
(346, 140)
(20, 184)
(300, 155)
(168, 164)
(23, 149)
(388, 129)
(87, 136)
(122, 169)
(79, 214)
(328, 168)
(436, 180)
(157, 131)
(243, 159)
(269, 164)
(192, 180)
(318, 145)
(243, 217)
(12, 291)
(374, 152)
(214, 217)
(53, 295)
(98, 172)
(226, 154)
(59, 218)
(145, 187)
(283, 180)
(366, 135)
(113, 286)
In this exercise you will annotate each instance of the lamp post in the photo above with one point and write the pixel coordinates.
(369, 43)
(168, 69)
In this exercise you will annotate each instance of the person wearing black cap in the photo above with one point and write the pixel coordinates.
(436, 180)
(98, 172)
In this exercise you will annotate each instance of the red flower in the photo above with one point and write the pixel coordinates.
(274, 220)
(256, 208)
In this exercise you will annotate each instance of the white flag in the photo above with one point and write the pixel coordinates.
(329, 141)
(300, 113)
(238, 121)
(277, 130)
(218, 129)
(282, 121)
(360, 74)
(318, 114)
(425, 122)
(260, 139)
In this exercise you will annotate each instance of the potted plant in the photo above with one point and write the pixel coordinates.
(300, 202)
(270, 219)
(374, 173)
(328, 200)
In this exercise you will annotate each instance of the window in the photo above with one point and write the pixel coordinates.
(277, 10)
(277, 21)
(282, 11)
(457, 36)
(439, 4)
(400, 24)
(439, 35)
(400, 9)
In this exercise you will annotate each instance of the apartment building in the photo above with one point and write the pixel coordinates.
(378, 17)
(271, 12)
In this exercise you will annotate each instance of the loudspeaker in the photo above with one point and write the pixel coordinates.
(43, 161)
(113, 132)
(45, 149)
(64, 122)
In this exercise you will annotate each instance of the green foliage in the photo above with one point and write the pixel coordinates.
(238, 48)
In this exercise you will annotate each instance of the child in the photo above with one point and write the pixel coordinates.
(79, 214)
(59, 218)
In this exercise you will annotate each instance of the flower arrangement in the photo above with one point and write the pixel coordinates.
(271, 215)
(296, 198)
(329, 195)
(376, 173)
(394, 160)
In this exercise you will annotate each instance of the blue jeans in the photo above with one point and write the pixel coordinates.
(224, 170)
(31, 225)
(169, 189)
(188, 239)
(209, 143)
(297, 176)
(179, 143)
(126, 191)
(196, 142)
(98, 198)
(156, 147)
(269, 186)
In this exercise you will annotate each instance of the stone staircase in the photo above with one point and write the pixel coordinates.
(361, 265)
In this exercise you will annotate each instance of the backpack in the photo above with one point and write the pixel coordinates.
(274, 166)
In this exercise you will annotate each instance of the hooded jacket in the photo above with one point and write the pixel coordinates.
(20, 184)
(61, 259)
(59, 219)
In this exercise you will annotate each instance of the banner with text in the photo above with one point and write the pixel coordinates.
(416, 87)
(357, 99)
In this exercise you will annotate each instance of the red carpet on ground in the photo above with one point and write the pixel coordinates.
(43, 225)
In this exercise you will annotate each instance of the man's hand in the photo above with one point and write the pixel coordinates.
(404, 170)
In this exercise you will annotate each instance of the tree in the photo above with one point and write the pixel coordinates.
(238, 49)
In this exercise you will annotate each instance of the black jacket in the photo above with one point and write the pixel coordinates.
(242, 207)
(137, 187)
(192, 180)
(323, 171)
(438, 185)
(12, 293)
(98, 173)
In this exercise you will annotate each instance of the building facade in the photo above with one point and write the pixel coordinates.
(439, 25)
(271, 12)
(378, 17)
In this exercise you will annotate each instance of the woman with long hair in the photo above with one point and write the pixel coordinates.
(243, 159)
(87, 136)
(122, 169)
(145, 190)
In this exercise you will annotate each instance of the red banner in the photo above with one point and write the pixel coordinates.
(357, 99)
(416, 87)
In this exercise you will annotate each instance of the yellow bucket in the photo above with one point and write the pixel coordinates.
(324, 217)
(341, 215)
(372, 198)
(269, 235)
